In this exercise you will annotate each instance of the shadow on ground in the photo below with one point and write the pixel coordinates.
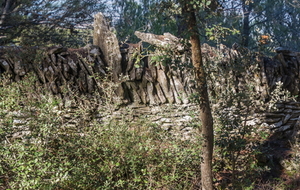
(275, 151)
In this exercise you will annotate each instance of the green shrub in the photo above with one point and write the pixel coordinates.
(46, 152)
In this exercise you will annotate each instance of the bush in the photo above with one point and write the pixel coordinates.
(41, 149)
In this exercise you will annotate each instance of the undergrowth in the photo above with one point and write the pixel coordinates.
(41, 149)
(236, 100)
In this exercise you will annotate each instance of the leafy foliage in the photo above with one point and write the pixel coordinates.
(40, 149)
(234, 101)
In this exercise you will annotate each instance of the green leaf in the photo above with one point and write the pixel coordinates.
(137, 66)
(208, 3)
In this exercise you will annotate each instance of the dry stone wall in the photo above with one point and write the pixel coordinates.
(285, 120)
(157, 96)
(284, 67)
(147, 83)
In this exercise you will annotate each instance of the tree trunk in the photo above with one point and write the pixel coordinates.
(247, 9)
(205, 111)
(7, 7)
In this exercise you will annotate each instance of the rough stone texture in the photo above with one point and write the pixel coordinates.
(284, 120)
(147, 82)
(108, 43)
(180, 120)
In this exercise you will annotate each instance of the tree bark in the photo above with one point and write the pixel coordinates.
(205, 111)
(7, 7)
(247, 9)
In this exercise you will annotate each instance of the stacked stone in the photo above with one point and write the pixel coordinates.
(55, 66)
(285, 120)
(284, 67)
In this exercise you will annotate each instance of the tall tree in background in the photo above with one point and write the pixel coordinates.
(247, 8)
(280, 20)
(44, 21)
(156, 16)
(253, 18)
(128, 16)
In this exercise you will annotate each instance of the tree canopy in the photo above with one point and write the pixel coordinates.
(37, 22)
